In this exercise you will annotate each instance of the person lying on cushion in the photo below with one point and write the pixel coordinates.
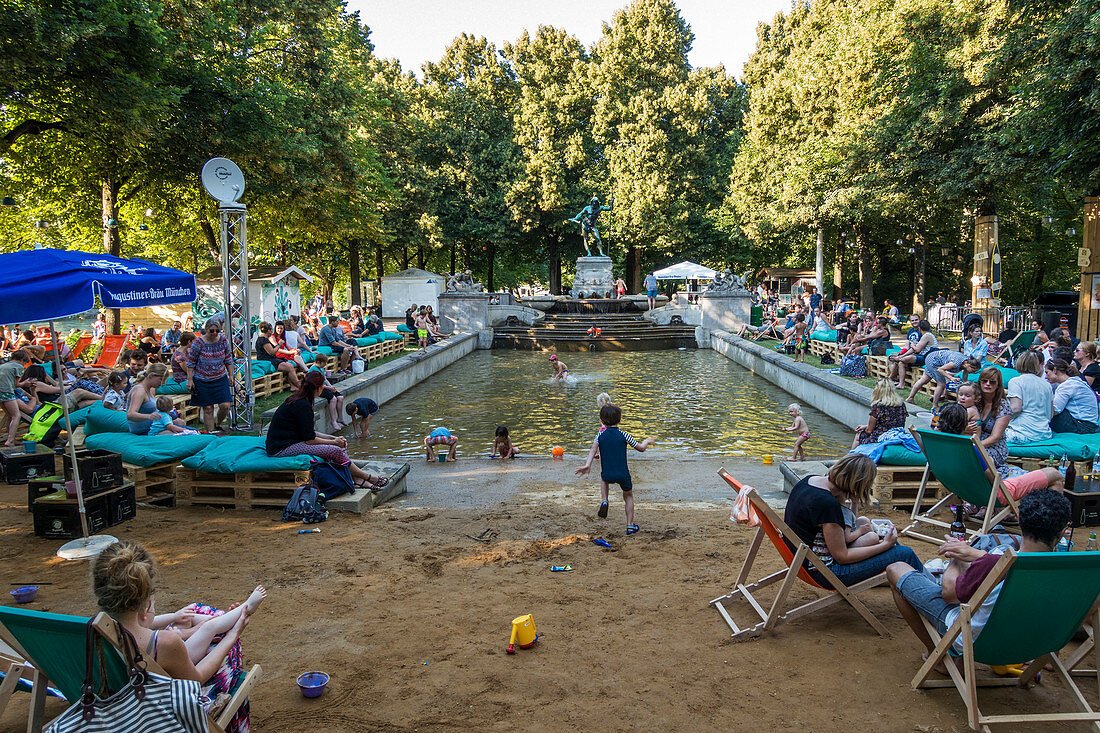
(1044, 515)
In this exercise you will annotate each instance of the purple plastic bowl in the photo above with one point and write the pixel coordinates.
(312, 684)
(26, 594)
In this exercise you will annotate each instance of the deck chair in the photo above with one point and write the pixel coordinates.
(54, 644)
(1058, 589)
(1016, 347)
(960, 463)
(113, 347)
(776, 530)
(17, 675)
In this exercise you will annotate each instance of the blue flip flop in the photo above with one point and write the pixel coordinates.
(602, 511)
(631, 529)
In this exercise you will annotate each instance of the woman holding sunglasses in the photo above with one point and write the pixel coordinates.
(208, 363)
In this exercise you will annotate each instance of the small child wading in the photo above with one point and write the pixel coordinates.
(502, 444)
(561, 372)
(611, 444)
(799, 427)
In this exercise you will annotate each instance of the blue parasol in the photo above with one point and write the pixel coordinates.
(40, 284)
(44, 284)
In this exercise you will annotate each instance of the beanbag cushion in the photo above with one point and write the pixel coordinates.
(171, 386)
(366, 341)
(899, 455)
(403, 328)
(149, 450)
(260, 368)
(326, 350)
(242, 454)
(1006, 374)
(1077, 447)
(102, 419)
(77, 417)
(828, 336)
(390, 335)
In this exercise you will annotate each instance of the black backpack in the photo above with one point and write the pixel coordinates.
(306, 505)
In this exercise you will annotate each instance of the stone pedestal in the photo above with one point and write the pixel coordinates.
(725, 311)
(594, 278)
(463, 312)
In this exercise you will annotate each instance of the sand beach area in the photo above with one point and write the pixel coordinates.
(411, 616)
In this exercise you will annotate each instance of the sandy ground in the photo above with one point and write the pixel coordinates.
(411, 617)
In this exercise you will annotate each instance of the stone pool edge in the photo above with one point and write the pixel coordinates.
(839, 398)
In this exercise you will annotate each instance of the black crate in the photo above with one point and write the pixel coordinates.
(1084, 509)
(41, 486)
(20, 467)
(61, 519)
(100, 470)
(121, 505)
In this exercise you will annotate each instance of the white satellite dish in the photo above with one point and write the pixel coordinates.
(223, 180)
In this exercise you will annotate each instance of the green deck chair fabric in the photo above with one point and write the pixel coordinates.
(1057, 587)
(1022, 343)
(956, 464)
(56, 645)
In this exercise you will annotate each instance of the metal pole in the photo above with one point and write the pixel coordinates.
(238, 322)
(68, 430)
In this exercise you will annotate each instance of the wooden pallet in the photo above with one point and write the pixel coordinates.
(153, 484)
(238, 490)
(897, 486)
(408, 340)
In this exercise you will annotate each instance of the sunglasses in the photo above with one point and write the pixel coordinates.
(213, 330)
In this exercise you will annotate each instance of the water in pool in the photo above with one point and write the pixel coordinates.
(694, 402)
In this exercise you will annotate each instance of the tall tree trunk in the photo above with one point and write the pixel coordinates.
(819, 261)
(356, 277)
(213, 241)
(492, 250)
(454, 252)
(633, 269)
(1040, 262)
(555, 264)
(838, 269)
(112, 242)
(378, 265)
(465, 255)
(918, 277)
(420, 256)
(866, 274)
(404, 257)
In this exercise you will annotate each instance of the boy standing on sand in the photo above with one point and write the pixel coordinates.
(611, 444)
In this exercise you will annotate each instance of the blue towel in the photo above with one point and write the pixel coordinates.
(893, 436)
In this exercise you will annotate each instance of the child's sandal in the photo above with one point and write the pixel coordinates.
(631, 529)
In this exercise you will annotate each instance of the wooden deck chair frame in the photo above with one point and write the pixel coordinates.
(992, 517)
(107, 627)
(788, 577)
(1016, 347)
(966, 680)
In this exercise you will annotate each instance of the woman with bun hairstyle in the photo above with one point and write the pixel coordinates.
(195, 643)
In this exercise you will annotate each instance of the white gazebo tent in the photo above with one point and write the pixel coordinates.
(686, 270)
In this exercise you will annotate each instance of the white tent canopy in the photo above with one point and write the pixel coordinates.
(686, 270)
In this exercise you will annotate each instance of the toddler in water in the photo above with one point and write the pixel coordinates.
(502, 444)
(163, 424)
(560, 370)
(798, 426)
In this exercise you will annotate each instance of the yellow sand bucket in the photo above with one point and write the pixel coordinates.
(523, 631)
(767, 459)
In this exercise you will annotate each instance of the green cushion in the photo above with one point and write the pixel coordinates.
(242, 454)
(899, 455)
(105, 420)
(403, 328)
(366, 341)
(308, 357)
(1006, 374)
(828, 336)
(1057, 587)
(55, 644)
(260, 368)
(171, 386)
(78, 417)
(1077, 447)
(150, 450)
(390, 336)
(326, 350)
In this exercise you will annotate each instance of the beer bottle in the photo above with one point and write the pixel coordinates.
(958, 527)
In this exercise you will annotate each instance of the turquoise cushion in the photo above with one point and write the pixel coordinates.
(899, 455)
(260, 368)
(1077, 447)
(326, 350)
(150, 450)
(77, 417)
(829, 336)
(242, 454)
(308, 357)
(171, 386)
(390, 335)
(403, 328)
(367, 341)
(1006, 374)
(102, 419)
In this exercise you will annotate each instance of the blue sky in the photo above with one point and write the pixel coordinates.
(416, 31)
